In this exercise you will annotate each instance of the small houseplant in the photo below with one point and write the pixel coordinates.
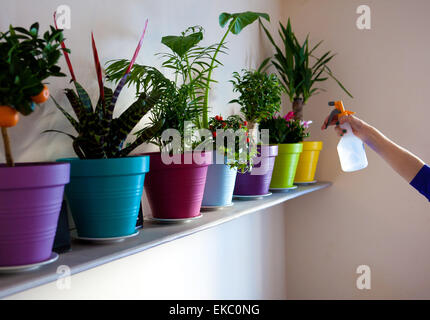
(31, 194)
(302, 72)
(106, 185)
(259, 95)
(221, 176)
(287, 134)
(260, 98)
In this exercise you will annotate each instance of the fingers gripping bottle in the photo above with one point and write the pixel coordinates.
(350, 148)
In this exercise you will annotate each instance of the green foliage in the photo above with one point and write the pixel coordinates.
(181, 100)
(182, 44)
(238, 21)
(260, 94)
(285, 129)
(237, 125)
(26, 59)
(300, 76)
(99, 134)
(174, 105)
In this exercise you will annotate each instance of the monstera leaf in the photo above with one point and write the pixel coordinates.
(240, 20)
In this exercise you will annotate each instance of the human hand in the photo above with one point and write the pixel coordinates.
(359, 127)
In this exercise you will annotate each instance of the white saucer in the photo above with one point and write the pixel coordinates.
(159, 220)
(305, 183)
(27, 267)
(279, 190)
(106, 240)
(208, 208)
(252, 197)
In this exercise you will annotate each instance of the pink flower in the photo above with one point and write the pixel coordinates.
(305, 124)
(289, 116)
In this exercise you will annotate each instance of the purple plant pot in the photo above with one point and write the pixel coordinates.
(175, 191)
(30, 201)
(257, 181)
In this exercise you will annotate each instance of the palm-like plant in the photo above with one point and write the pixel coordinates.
(190, 64)
(299, 75)
(181, 99)
(99, 134)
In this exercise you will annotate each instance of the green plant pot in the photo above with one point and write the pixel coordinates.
(286, 165)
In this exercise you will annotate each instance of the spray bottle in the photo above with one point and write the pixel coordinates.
(350, 148)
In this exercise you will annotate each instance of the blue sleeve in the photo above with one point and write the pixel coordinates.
(421, 182)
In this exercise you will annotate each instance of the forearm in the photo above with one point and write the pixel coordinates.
(401, 160)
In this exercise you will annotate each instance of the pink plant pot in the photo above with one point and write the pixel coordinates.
(175, 191)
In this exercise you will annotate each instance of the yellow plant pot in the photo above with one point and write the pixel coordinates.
(308, 161)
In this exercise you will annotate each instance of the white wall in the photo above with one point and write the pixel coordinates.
(117, 26)
(370, 217)
(310, 247)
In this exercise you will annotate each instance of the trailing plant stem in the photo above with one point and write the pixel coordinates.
(7, 150)
(206, 101)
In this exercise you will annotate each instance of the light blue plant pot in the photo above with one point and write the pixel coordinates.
(104, 195)
(220, 181)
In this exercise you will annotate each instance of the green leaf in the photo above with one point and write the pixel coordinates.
(84, 97)
(262, 67)
(182, 44)
(62, 132)
(72, 120)
(223, 19)
(240, 20)
(145, 135)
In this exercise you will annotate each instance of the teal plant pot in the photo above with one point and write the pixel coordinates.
(104, 195)
(220, 181)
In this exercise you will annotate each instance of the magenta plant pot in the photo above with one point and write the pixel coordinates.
(248, 184)
(30, 201)
(175, 191)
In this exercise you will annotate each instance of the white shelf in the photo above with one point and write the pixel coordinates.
(85, 256)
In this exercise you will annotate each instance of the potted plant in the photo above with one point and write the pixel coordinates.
(287, 133)
(174, 190)
(260, 97)
(300, 79)
(31, 194)
(221, 176)
(106, 184)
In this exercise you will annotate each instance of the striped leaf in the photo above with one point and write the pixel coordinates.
(72, 120)
(84, 97)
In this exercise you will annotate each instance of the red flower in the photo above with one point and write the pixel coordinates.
(247, 140)
(224, 124)
(245, 123)
(214, 134)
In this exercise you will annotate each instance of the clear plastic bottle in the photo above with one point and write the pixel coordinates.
(351, 151)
